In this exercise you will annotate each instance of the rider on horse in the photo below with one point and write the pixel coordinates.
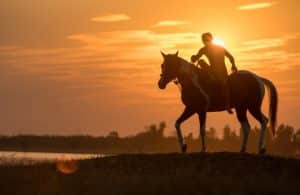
(216, 56)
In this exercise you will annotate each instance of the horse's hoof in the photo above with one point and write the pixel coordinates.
(203, 150)
(183, 148)
(243, 151)
(262, 151)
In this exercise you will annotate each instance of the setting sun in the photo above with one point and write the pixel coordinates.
(218, 41)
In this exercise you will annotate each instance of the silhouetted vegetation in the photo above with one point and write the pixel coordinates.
(154, 140)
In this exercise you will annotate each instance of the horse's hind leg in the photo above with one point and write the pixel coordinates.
(242, 117)
(188, 112)
(263, 120)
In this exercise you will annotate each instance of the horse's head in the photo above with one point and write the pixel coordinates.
(169, 69)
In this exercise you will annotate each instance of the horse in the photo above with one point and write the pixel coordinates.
(247, 91)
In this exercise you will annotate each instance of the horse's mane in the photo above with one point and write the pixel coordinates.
(204, 73)
(184, 62)
(194, 68)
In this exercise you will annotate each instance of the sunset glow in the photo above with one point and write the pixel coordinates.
(254, 6)
(218, 41)
(89, 67)
(111, 18)
(168, 23)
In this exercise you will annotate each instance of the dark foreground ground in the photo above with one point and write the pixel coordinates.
(210, 173)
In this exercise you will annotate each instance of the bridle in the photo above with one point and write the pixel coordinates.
(163, 75)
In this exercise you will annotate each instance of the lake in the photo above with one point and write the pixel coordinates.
(14, 158)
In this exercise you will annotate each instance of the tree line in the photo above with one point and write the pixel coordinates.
(153, 140)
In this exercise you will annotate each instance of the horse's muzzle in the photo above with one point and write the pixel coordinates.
(162, 84)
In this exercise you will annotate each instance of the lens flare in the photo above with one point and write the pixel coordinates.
(67, 166)
(218, 41)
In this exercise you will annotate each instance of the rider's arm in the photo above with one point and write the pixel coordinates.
(196, 57)
(231, 59)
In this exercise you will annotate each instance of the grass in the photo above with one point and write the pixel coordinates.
(208, 173)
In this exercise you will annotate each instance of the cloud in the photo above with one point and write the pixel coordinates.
(103, 65)
(262, 44)
(140, 48)
(111, 18)
(116, 70)
(135, 44)
(280, 53)
(106, 65)
(255, 6)
(170, 23)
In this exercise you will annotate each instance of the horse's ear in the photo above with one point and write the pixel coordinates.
(162, 53)
(176, 54)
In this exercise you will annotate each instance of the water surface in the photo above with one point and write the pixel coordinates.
(13, 158)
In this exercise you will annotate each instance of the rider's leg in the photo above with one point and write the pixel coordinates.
(226, 92)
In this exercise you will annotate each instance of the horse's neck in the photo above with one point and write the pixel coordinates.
(185, 66)
(186, 72)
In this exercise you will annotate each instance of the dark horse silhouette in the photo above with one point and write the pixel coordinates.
(246, 91)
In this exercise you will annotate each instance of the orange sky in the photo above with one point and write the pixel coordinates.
(89, 67)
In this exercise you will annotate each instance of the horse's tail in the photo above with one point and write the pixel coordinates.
(273, 106)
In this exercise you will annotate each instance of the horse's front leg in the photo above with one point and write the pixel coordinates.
(187, 113)
(202, 121)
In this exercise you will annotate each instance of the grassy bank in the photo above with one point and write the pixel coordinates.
(210, 173)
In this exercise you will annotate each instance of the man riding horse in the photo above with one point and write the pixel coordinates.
(200, 94)
(216, 56)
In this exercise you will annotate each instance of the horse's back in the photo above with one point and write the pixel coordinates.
(245, 89)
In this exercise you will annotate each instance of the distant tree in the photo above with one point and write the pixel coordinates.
(296, 141)
(156, 130)
(226, 132)
(211, 133)
(162, 127)
(230, 139)
(296, 137)
(285, 133)
(284, 137)
(113, 134)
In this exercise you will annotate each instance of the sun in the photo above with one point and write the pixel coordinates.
(219, 41)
